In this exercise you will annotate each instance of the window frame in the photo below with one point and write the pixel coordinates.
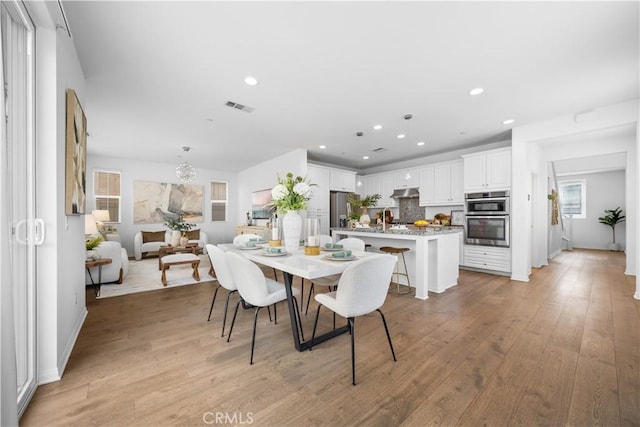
(107, 196)
(224, 201)
(583, 197)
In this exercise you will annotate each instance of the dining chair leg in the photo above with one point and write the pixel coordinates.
(226, 306)
(212, 301)
(275, 313)
(353, 350)
(384, 322)
(253, 336)
(275, 276)
(269, 311)
(235, 313)
(299, 320)
(311, 289)
(315, 323)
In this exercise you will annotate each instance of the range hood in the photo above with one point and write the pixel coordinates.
(405, 193)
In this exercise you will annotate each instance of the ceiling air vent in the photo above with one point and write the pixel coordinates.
(239, 107)
(378, 150)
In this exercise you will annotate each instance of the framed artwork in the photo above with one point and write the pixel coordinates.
(457, 217)
(155, 202)
(75, 157)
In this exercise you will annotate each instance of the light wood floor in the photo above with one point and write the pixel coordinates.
(563, 349)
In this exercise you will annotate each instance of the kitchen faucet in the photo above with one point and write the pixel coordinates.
(384, 218)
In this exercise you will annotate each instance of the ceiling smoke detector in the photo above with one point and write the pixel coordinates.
(359, 133)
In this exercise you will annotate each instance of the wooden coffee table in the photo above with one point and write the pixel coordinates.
(171, 250)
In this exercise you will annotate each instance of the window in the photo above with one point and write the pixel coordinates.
(219, 200)
(573, 198)
(106, 191)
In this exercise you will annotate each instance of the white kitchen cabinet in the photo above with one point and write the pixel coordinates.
(487, 258)
(340, 180)
(487, 170)
(409, 178)
(379, 184)
(441, 184)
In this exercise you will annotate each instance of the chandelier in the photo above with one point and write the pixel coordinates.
(185, 171)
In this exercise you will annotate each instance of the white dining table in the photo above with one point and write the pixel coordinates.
(305, 266)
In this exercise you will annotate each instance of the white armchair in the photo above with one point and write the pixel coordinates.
(115, 271)
(145, 242)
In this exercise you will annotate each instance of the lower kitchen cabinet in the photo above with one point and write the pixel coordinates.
(487, 258)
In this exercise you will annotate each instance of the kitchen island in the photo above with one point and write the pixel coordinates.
(433, 258)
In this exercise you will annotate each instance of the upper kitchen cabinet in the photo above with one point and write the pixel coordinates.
(487, 170)
(380, 184)
(406, 179)
(442, 184)
(320, 199)
(340, 180)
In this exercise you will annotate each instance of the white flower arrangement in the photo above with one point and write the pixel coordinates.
(291, 194)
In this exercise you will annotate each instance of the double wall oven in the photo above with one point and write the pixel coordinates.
(487, 218)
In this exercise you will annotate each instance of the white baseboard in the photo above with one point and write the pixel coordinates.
(53, 375)
(520, 278)
(557, 252)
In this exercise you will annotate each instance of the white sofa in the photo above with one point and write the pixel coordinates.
(115, 271)
(141, 248)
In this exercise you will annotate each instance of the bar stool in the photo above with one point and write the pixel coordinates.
(397, 252)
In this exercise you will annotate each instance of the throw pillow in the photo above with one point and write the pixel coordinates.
(152, 236)
(193, 235)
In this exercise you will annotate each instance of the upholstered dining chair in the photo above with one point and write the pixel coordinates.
(257, 290)
(348, 244)
(362, 289)
(218, 259)
(241, 239)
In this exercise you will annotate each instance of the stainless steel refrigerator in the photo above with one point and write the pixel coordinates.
(338, 209)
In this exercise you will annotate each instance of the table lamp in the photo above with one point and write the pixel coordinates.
(90, 227)
(101, 216)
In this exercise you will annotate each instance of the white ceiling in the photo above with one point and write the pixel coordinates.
(158, 75)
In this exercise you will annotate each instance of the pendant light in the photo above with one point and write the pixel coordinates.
(185, 171)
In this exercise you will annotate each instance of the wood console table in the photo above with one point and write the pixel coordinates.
(91, 263)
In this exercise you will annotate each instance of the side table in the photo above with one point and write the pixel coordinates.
(91, 263)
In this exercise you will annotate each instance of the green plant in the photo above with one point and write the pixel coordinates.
(612, 217)
(366, 202)
(178, 224)
(354, 216)
(291, 194)
(91, 244)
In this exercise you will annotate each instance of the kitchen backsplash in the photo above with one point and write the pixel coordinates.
(410, 211)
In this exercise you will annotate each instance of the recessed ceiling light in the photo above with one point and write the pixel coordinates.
(251, 81)
(476, 91)
(322, 147)
(377, 127)
(365, 157)
(508, 121)
(420, 144)
(401, 136)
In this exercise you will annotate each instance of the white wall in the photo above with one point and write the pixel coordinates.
(60, 260)
(265, 175)
(605, 190)
(140, 170)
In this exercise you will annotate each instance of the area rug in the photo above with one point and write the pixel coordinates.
(144, 276)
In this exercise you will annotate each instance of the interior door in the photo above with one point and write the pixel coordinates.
(19, 193)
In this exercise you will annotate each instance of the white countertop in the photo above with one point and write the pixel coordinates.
(400, 234)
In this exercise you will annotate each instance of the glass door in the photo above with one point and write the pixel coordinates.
(19, 192)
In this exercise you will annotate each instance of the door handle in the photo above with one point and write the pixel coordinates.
(39, 228)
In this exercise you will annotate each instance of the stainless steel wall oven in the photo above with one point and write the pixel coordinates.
(487, 219)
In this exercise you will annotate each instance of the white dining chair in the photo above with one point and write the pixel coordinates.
(257, 290)
(348, 244)
(241, 239)
(362, 289)
(218, 259)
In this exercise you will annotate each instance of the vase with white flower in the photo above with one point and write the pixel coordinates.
(288, 197)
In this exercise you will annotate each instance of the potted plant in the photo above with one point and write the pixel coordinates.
(91, 245)
(612, 217)
(365, 203)
(180, 225)
(289, 196)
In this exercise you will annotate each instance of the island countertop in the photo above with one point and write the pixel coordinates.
(433, 256)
